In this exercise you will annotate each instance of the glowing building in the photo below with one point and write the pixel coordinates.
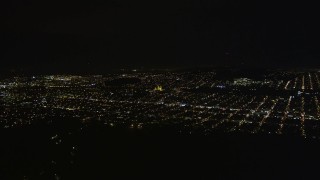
(158, 88)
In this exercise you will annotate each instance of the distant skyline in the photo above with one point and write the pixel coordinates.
(97, 35)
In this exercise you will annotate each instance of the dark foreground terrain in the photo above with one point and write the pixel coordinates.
(53, 152)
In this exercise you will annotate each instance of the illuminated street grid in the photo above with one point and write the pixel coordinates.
(281, 103)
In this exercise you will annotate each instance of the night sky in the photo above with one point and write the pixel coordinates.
(70, 36)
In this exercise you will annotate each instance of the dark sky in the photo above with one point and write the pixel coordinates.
(51, 35)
